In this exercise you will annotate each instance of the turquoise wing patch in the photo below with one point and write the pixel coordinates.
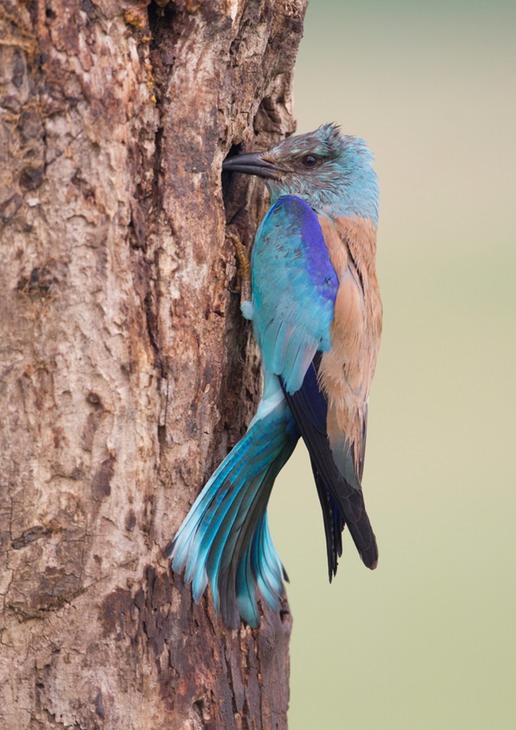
(294, 289)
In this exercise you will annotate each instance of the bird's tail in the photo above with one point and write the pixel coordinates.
(225, 540)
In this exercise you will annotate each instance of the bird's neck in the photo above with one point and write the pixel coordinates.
(355, 197)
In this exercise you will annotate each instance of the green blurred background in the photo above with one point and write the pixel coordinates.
(428, 640)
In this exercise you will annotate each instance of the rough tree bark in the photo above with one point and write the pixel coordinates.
(126, 370)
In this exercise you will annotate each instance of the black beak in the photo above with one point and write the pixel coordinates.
(252, 164)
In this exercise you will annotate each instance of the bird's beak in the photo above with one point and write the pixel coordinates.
(252, 163)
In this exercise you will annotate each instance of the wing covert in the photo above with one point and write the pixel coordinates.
(294, 289)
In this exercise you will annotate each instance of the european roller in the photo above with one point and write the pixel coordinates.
(317, 318)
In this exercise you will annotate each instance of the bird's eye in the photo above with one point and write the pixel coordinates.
(310, 160)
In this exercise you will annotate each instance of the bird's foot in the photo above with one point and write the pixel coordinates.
(244, 268)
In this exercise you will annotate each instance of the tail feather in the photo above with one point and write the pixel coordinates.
(270, 581)
(259, 559)
(241, 571)
(225, 540)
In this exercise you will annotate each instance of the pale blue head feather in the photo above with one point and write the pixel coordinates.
(342, 182)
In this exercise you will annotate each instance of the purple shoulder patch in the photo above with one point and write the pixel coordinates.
(319, 266)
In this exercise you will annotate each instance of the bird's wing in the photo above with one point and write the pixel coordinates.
(333, 464)
(347, 371)
(294, 290)
(303, 316)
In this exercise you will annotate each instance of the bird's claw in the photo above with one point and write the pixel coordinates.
(244, 266)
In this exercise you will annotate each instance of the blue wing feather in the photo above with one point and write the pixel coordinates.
(294, 289)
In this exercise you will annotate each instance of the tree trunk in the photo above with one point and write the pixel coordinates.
(126, 370)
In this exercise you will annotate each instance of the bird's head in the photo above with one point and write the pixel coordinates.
(330, 170)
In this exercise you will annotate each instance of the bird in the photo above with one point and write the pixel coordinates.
(316, 312)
